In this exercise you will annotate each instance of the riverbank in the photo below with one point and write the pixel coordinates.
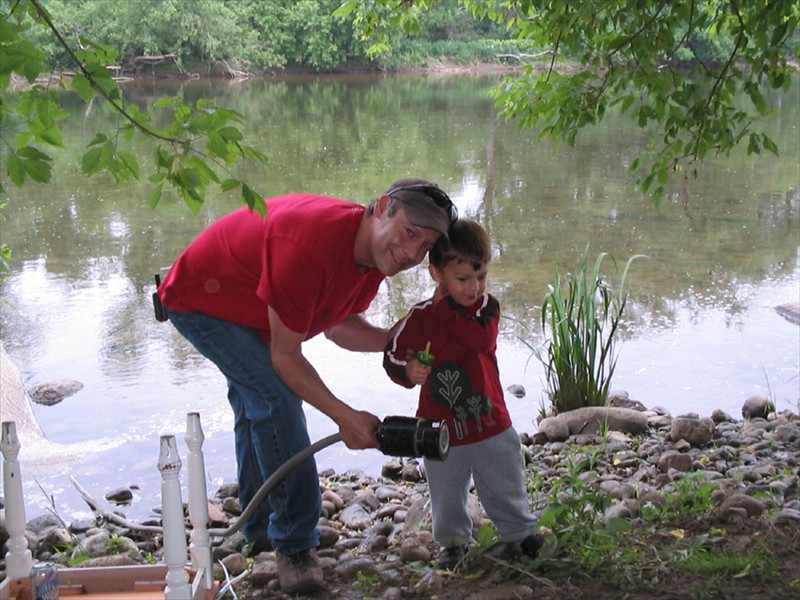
(641, 515)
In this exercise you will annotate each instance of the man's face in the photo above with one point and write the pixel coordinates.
(398, 245)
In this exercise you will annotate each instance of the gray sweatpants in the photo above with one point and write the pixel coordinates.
(496, 466)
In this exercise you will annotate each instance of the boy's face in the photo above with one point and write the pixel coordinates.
(461, 280)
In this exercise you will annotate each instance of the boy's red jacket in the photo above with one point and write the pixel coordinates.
(464, 385)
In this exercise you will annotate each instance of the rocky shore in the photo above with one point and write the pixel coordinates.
(376, 539)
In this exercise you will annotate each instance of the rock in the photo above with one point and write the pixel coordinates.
(516, 390)
(674, 460)
(697, 432)
(54, 392)
(235, 563)
(622, 400)
(594, 419)
(555, 429)
(789, 311)
(120, 496)
(264, 572)
(351, 569)
(504, 591)
(355, 517)
(112, 560)
(328, 536)
(757, 407)
(102, 543)
(411, 472)
(216, 517)
(42, 523)
(616, 511)
(751, 506)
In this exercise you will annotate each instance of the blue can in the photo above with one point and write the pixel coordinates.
(44, 581)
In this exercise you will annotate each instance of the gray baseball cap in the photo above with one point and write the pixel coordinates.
(425, 203)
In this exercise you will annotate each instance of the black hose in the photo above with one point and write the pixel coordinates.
(279, 474)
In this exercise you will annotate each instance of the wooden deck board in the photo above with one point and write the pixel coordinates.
(145, 582)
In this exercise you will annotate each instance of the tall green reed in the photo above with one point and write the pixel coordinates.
(581, 313)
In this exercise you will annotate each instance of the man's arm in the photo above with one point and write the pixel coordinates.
(359, 335)
(357, 428)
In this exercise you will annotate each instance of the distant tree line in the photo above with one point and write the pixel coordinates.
(242, 37)
(210, 37)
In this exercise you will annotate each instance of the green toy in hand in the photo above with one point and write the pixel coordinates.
(425, 357)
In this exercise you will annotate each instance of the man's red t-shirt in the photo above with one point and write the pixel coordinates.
(299, 260)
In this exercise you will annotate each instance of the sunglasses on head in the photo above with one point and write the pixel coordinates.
(439, 197)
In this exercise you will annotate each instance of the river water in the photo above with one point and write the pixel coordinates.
(701, 331)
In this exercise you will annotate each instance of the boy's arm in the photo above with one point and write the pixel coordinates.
(397, 354)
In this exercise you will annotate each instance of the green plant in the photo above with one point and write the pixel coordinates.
(691, 498)
(115, 545)
(366, 581)
(595, 547)
(579, 357)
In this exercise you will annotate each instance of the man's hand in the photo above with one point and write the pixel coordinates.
(358, 428)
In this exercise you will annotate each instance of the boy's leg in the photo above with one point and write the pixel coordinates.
(499, 475)
(448, 481)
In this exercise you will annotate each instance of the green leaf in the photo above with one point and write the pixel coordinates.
(52, 135)
(100, 138)
(92, 161)
(253, 200)
(16, 170)
(83, 87)
(202, 167)
(217, 145)
(129, 160)
(155, 195)
(231, 134)
(33, 153)
(770, 145)
(230, 184)
(38, 170)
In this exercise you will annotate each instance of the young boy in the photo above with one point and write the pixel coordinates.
(459, 326)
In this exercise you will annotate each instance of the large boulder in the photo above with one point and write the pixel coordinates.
(595, 419)
(37, 453)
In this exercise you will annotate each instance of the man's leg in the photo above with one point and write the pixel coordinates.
(272, 416)
(248, 472)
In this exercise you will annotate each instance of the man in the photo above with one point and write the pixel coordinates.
(248, 291)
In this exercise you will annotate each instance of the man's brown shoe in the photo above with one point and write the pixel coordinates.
(300, 573)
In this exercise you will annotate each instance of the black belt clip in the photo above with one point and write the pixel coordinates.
(161, 313)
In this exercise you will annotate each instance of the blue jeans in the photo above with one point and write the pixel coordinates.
(269, 428)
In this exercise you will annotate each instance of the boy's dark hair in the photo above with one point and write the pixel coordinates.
(468, 243)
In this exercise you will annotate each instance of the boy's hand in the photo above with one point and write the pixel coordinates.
(416, 372)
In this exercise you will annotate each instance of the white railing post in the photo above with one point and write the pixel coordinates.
(200, 546)
(169, 463)
(18, 557)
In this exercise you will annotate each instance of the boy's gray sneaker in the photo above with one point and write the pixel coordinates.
(300, 573)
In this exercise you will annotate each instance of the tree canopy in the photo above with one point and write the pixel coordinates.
(679, 69)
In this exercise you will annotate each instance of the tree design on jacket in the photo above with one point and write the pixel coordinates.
(450, 386)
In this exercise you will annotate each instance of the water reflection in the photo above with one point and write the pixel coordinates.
(701, 331)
